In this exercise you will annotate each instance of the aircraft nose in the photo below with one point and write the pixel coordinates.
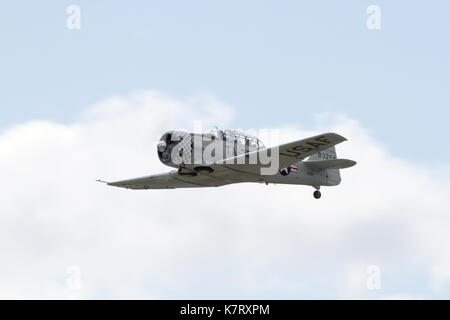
(161, 146)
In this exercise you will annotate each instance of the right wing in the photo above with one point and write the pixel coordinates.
(169, 180)
(296, 151)
(289, 153)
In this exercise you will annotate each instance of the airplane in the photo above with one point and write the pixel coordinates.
(225, 157)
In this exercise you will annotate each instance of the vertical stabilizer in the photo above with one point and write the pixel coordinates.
(333, 175)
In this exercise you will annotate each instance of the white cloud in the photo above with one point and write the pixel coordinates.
(238, 241)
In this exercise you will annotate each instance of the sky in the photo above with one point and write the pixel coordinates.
(88, 103)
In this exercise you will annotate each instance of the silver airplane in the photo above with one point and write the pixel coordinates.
(224, 157)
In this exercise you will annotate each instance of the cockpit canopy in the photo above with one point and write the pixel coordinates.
(230, 134)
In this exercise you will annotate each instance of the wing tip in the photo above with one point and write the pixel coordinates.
(113, 184)
(338, 136)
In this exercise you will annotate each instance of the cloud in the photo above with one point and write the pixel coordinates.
(237, 241)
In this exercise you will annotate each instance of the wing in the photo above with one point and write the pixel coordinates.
(289, 153)
(169, 180)
(296, 151)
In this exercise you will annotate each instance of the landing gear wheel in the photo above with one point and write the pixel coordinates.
(317, 194)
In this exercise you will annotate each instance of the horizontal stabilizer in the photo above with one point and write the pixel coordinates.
(329, 164)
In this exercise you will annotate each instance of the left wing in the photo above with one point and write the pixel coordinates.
(169, 180)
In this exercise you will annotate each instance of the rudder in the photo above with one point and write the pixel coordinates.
(333, 176)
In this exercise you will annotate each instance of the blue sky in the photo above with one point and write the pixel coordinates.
(275, 62)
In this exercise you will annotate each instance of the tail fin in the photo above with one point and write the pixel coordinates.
(327, 160)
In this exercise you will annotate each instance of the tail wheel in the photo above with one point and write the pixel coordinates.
(317, 194)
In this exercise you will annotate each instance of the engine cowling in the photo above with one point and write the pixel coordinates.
(173, 148)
